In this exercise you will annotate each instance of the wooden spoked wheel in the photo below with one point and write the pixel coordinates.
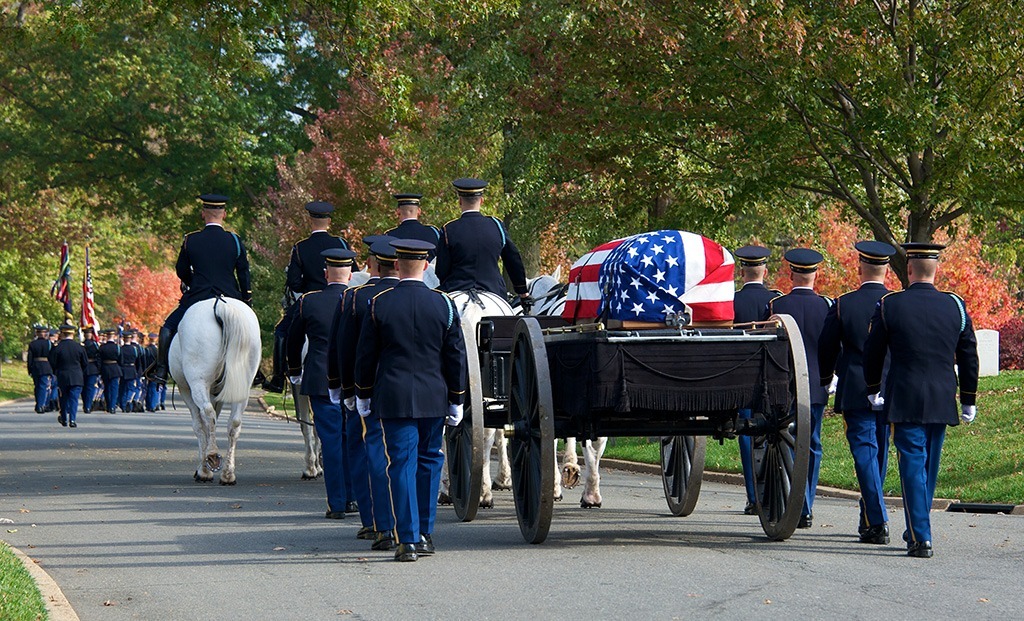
(465, 443)
(532, 445)
(782, 454)
(682, 467)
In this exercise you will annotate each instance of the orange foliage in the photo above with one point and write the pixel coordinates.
(147, 296)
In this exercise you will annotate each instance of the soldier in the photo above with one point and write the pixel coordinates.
(411, 369)
(409, 226)
(925, 331)
(841, 351)
(69, 362)
(53, 397)
(313, 319)
(364, 438)
(39, 366)
(470, 246)
(749, 305)
(305, 274)
(130, 354)
(211, 262)
(149, 354)
(92, 371)
(809, 310)
(110, 370)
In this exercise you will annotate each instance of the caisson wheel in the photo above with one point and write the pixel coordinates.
(682, 466)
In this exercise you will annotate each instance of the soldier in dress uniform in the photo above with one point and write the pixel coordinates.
(411, 370)
(470, 246)
(69, 361)
(841, 351)
(92, 371)
(149, 354)
(305, 273)
(131, 352)
(53, 397)
(809, 310)
(110, 370)
(364, 435)
(750, 304)
(39, 366)
(925, 332)
(409, 227)
(313, 318)
(211, 262)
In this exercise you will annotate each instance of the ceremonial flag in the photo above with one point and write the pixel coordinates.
(646, 276)
(88, 307)
(61, 290)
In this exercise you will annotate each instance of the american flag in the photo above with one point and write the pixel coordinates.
(61, 290)
(88, 306)
(646, 276)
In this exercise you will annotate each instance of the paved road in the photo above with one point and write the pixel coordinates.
(111, 512)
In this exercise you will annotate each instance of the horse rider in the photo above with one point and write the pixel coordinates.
(69, 361)
(92, 371)
(749, 304)
(809, 310)
(110, 370)
(39, 366)
(408, 212)
(411, 371)
(841, 351)
(470, 246)
(305, 273)
(211, 262)
(313, 318)
(925, 331)
(366, 433)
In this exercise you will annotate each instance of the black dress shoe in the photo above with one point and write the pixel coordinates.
(750, 509)
(63, 423)
(383, 542)
(366, 532)
(877, 534)
(920, 549)
(72, 424)
(805, 521)
(274, 384)
(351, 507)
(405, 553)
(335, 515)
(426, 546)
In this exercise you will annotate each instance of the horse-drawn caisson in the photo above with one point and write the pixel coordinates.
(621, 373)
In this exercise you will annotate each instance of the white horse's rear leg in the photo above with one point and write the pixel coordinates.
(592, 452)
(486, 498)
(504, 480)
(204, 423)
(444, 496)
(570, 470)
(227, 475)
(310, 439)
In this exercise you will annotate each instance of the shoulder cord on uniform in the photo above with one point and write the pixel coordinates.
(451, 310)
(960, 307)
(501, 229)
(238, 245)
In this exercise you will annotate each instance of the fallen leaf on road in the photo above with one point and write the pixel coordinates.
(279, 548)
(24, 511)
(36, 561)
(236, 506)
(344, 612)
(6, 521)
(12, 530)
(694, 595)
(109, 602)
(767, 601)
(983, 600)
(362, 558)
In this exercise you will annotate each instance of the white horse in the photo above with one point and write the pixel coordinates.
(549, 299)
(472, 307)
(213, 359)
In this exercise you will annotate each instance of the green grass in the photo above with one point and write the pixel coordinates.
(14, 381)
(20, 599)
(981, 462)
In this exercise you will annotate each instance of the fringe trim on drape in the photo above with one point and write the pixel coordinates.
(625, 397)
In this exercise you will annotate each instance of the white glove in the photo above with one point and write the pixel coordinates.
(454, 414)
(832, 386)
(363, 407)
(295, 379)
(968, 412)
(335, 394)
(350, 404)
(877, 401)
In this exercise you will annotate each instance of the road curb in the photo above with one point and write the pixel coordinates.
(57, 606)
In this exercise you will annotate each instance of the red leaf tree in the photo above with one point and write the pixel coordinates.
(147, 296)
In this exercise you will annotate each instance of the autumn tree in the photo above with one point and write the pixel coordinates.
(147, 296)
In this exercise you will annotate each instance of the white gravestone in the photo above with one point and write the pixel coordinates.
(988, 352)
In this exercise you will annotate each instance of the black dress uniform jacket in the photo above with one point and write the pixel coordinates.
(68, 360)
(313, 322)
(129, 360)
(411, 358)
(110, 360)
(809, 310)
(354, 311)
(414, 229)
(841, 345)
(212, 261)
(468, 253)
(38, 362)
(306, 266)
(751, 302)
(925, 332)
(92, 353)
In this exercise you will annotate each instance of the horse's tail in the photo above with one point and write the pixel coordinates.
(233, 384)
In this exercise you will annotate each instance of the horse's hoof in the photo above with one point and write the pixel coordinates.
(487, 504)
(584, 504)
(223, 482)
(570, 477)
(558, 498)
(200, 479)
(306, 477)
(501, 487)
(444, 499)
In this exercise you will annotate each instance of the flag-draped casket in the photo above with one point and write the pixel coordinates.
(645, 276)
